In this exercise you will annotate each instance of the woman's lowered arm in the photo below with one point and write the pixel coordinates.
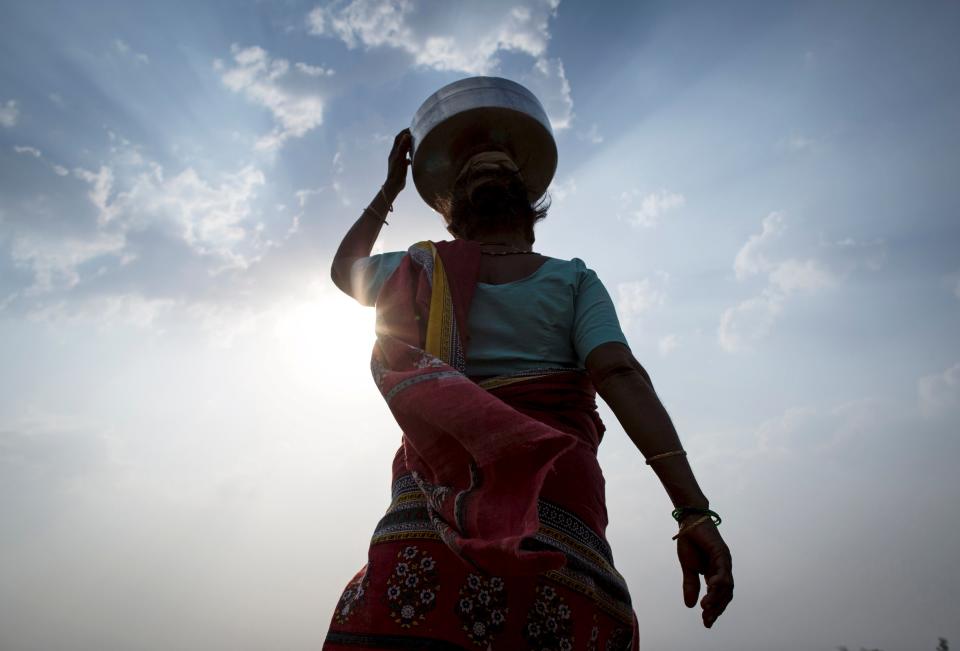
(625, 386)
(359, 240)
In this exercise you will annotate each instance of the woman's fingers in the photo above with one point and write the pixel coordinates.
(399, 160)
(690, 565)
(719, 580)
(702, 551)
(691, 587)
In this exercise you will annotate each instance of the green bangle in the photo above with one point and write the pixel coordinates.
(682, 511)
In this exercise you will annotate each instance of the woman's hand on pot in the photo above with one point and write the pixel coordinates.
(701, 550)
(398, 162)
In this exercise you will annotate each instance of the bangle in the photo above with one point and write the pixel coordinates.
(685, 529)
(384, 195)
(657, 457)
(681, 511)
(376, 214)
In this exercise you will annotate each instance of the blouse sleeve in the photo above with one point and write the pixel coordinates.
(595, 317)
(368, 275)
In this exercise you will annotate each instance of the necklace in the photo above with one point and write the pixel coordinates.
(512, 251)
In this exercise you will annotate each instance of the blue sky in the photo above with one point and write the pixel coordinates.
(192, 454)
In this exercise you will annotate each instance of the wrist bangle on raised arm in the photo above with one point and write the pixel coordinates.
(389, 203)
(376, 214)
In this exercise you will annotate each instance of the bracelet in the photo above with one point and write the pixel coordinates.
(657, 457)
(376, 214)
(684, 530)
(384, 195)
(681, 511)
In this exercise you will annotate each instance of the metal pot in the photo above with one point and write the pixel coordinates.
(477, 114)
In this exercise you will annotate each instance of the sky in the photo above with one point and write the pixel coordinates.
(192, 452)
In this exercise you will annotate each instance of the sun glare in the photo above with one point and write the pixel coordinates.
(326, 331)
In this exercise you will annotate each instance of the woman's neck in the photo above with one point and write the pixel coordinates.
(510, 240)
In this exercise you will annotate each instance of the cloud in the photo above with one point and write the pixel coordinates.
(647, 210)
(290, 93)
(667, 344)
(313, 71)
(9, 113)
(817, 430)
(767, 254)
(637, 298)
(560, 190)
(939, 393)
(748, 321)
(548, 81)
(457, 37)
(792, 276)
(132, 208)
(121, 47)
(107, 311)
(60, 170)
(592, 135)
(28, 151)
(750, 258)
(54, 260)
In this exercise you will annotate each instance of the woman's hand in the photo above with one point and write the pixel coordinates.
(397, 164)
(701, 550)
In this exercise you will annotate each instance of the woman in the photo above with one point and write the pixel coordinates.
(489, 356)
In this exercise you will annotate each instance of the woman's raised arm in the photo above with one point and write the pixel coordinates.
(359, 240)
(625, 386)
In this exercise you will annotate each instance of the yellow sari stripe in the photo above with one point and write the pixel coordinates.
(440, 321)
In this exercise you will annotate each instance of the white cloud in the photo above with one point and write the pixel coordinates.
(667, 344)
(54, 260)
(28, 151)
(9, 113)
(548, 81)
(637, 298)
(816, 430)
(748, 321)
(592, 135)
(107, 311)
(939, 393)
(124, 49)
(647, 210)
(560, 190)
(60, 170)
(313, 71)
(800, 276)
(213, 217)
(765, 254)
(290, 93)
(750, 258)
(457, 36)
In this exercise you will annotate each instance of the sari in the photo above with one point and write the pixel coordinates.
(494, 537)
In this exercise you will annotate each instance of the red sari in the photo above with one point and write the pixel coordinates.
(494, 538)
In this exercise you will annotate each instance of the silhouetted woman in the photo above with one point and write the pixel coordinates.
(489, 355)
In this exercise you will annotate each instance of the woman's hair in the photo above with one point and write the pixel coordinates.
(497, 204)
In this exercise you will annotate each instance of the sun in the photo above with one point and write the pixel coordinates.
(322, 332)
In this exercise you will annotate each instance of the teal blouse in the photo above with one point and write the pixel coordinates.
(552, 318)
